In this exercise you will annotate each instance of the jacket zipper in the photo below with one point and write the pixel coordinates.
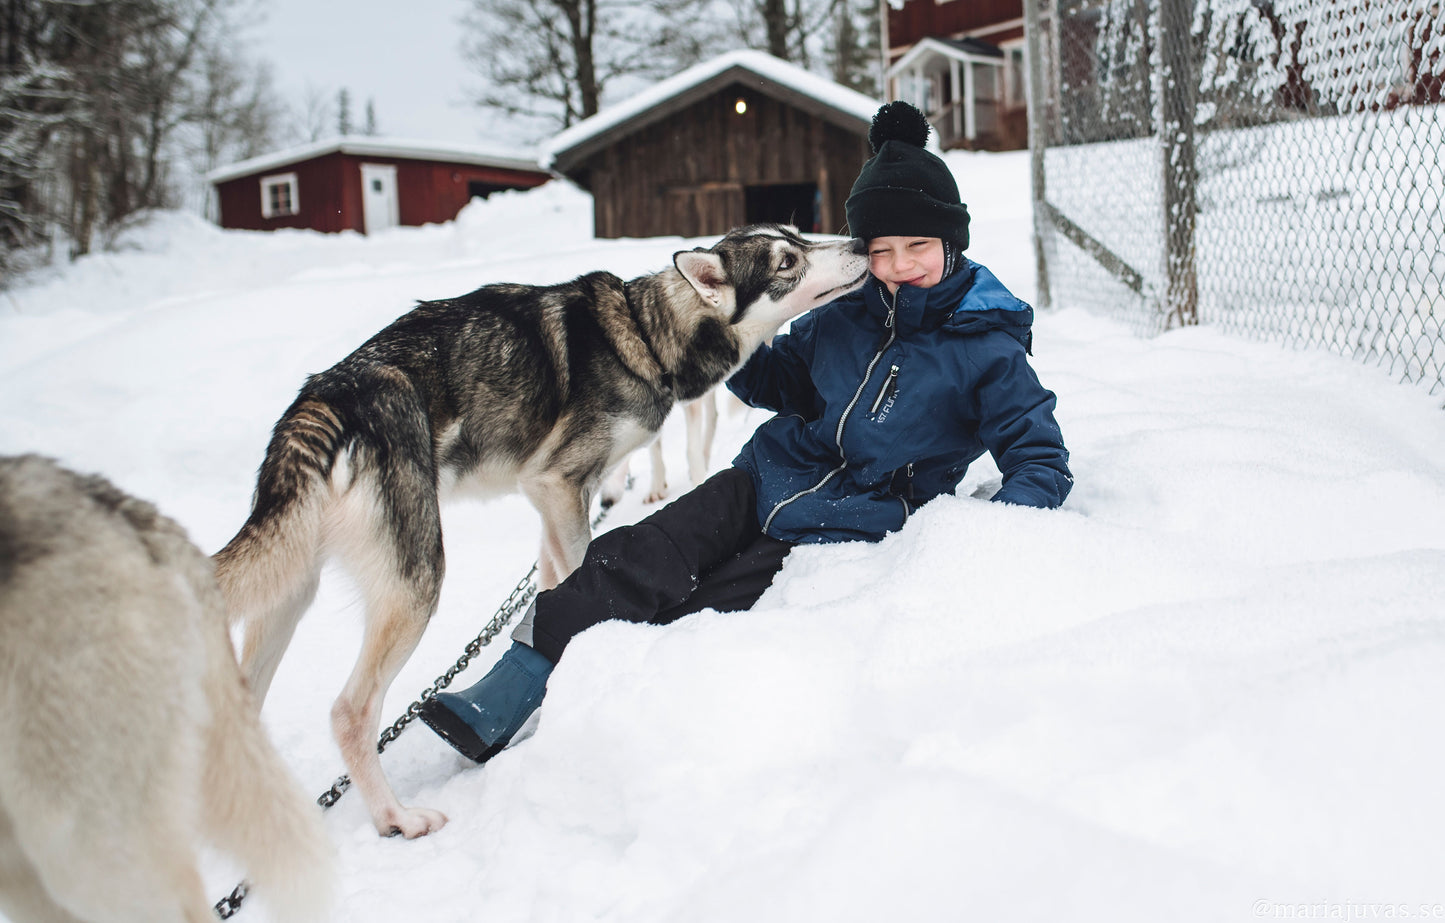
(842, 421)
(885, 391)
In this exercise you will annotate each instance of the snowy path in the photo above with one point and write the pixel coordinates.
(1206, 689)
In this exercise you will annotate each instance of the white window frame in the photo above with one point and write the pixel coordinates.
(1015, 90)
(270, 182)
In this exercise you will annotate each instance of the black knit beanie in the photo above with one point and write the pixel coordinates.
(904, 190)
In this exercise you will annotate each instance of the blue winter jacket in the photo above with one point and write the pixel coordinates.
(883, 403)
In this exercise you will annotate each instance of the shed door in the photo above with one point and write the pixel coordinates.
(798, 204)
(379, 208)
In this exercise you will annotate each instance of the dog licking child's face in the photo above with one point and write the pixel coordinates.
(916, 261)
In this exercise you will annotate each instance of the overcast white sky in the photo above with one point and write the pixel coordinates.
(403, 54)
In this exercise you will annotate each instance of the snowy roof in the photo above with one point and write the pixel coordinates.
(808, 91)
(479, 155)
(965, 49)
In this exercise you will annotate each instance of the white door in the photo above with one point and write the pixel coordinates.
(379, 209)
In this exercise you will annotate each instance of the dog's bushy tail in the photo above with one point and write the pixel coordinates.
(273, 558)
(255, 811)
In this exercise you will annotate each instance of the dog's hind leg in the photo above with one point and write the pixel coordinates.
(565, 532)
(394, 548)
(394, 626)
(268, 631)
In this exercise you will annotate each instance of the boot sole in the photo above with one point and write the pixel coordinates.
(455, 732)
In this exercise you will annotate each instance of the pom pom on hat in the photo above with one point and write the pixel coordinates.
(905, 190)
(898, 121)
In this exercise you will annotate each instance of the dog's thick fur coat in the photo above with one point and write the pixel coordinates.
(537, 388)
(128, 735)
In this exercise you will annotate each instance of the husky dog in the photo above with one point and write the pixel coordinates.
(537, 388)
(129, 736)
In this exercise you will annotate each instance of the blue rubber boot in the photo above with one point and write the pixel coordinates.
(480, 721)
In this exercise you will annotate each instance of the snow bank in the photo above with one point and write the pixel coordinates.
(1206, 689)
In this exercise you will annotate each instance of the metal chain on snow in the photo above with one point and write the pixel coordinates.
(517, 600)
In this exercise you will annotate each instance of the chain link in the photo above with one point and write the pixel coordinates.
(230, 905)
(1275, 165)
(520, 597)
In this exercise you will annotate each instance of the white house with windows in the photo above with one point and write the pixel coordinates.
(972, 91)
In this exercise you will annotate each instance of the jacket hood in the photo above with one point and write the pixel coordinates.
(970, 301)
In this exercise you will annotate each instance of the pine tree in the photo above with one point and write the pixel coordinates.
(343, 112)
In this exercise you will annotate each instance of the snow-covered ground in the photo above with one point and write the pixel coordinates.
(1208, 688)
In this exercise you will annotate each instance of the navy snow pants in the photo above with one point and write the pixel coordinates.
(704, 550)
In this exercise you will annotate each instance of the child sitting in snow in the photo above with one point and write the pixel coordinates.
(883, 399)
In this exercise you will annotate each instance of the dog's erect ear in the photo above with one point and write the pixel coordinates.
(703, 269)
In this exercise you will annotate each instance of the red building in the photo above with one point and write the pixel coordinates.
(364, 184)
(962, 63)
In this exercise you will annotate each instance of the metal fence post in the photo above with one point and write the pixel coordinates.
(1176, 105)
(1038, 143)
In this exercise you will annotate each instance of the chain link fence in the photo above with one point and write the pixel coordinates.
(1271, 167)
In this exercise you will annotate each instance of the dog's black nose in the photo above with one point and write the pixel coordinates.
(859, 245)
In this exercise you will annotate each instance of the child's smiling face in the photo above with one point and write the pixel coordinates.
(899, 261)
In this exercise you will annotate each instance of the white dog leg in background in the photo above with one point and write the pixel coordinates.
(701, 421)
(701, 416)
(657, 488)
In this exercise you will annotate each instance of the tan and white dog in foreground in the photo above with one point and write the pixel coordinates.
(127, 737)
(542, 389)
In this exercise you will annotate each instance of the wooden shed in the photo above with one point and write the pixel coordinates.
(744, 137)
(364, 184)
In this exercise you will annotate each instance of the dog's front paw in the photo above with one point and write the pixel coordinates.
(411, 822)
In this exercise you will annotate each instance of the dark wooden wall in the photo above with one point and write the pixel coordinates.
(686, 174)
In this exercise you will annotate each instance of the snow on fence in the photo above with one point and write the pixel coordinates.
(1273, 168)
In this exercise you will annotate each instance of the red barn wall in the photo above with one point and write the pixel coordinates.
(319, 189)
(329, 192)
(920, 19)
(431, 191)
(442, 191)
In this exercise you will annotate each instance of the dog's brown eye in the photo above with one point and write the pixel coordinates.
(788, 261)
